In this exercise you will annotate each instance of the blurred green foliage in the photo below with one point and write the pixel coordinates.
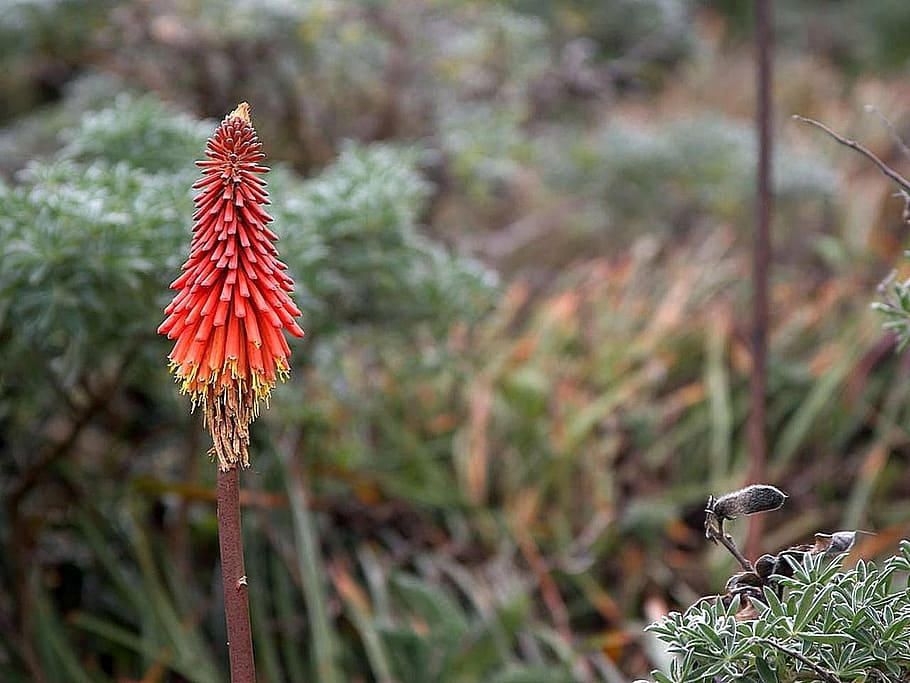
(91, 237)
(858, 36)
(43, 44)
(356, 247)
(520, 238)
(645, 179)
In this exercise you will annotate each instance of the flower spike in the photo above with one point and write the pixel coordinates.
(233, 297)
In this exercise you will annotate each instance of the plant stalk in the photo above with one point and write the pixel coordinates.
(756, 434)
(233, 578)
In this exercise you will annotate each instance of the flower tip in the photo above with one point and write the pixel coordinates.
(241, 112)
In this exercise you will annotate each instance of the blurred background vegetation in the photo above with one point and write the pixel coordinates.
(521, 235)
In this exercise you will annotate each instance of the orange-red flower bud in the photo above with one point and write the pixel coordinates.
(233, 298)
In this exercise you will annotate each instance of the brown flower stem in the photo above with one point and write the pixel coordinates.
(233, 578)
(756, 434)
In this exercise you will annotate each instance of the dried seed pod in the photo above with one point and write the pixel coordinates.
(786, 559)
(764, 566)
(836, 543)
(747, 501)
(743, 580)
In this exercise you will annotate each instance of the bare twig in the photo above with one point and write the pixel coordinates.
(714, 532)
(821, 671)
(852, 144)
(898, 140)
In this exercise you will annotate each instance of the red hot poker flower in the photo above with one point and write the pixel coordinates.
(233, 298)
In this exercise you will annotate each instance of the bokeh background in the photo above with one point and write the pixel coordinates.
(521, 233)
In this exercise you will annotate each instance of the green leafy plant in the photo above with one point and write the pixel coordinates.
(830, 625)
(894, 305)
(792, 616)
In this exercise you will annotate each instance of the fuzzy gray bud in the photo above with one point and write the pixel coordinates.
(748, 501)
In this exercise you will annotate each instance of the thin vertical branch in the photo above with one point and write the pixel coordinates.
(757, 437)
(233, 578)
